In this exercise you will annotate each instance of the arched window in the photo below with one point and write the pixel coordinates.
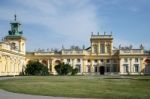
(147, 61)
(57, 62)
(44, 62)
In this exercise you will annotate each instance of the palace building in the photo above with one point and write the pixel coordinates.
(101, 58)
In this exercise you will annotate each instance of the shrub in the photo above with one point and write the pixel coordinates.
(36, 68)
(74, 71)
(65, 69)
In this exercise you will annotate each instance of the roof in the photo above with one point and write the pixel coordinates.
(14, 37)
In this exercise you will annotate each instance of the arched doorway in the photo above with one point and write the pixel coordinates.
(45, 62)
(147, 66)
(102, 70)
(57, 62)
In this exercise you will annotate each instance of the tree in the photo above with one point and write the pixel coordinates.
(36, 68)
(65, 69)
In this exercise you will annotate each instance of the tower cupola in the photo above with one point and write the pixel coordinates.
(15, 27)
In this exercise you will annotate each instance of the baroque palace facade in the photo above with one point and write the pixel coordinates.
(98, 59)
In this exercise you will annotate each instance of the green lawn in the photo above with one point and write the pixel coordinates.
(134, 87)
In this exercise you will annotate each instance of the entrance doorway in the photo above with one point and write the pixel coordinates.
(102, 70)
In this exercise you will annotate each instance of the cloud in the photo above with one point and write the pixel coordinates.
(57, 22)
(74, 19)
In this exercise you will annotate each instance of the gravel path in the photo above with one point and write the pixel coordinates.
(10, 95)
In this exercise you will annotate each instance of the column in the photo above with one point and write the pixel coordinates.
(111, 47)
(0, 65)
(11, 65)
(105, 47)
(14, 67)
(6, 66)
(20, 47)
(110, 66)
(119, 65)
(140, 67)
(91, 66)
(98, 48)
(48, 64)
(130, 65)
(83, 66)
(98, 66)
(23, 65)
(105, 67)
(72, 60)
(52, 66)
(19, 66)
(91, 48)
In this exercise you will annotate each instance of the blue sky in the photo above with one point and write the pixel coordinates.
(53, 23)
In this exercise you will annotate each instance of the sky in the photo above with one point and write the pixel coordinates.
(53, 23)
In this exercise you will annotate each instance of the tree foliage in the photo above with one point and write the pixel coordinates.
(65, 69)
(36, 68)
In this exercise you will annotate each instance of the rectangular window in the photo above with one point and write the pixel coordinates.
(102, 60)
(108, 60)
(136, 68)
(108, 49)
(114, 61)
(79, 68)
(68, 60)
(125, 60)
(108, 68)
(95, 60)
(125, 69)
(95, 49)
(136, 60)
(89, 61)
(78, 60)
(88, 68)
(114, 68)
(147, 68)
(95, 68)
(13, 46)
(102, 48)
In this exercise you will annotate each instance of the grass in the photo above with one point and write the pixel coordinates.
(128, 87)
